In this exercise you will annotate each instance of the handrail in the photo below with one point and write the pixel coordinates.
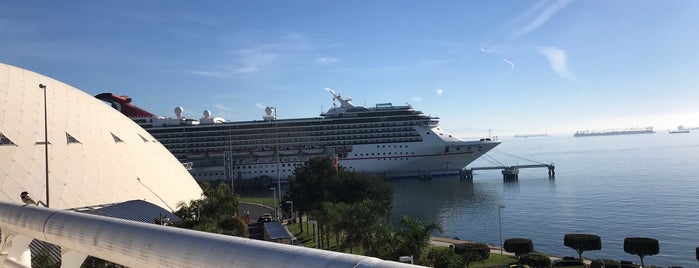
(137, 244)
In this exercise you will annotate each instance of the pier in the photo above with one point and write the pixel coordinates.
(509, 173)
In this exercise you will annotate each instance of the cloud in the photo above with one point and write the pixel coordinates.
(537, 16)
(557, 60)
(416, 99)
(213, 74)
(257, 58)
(223, 107)
(260, 105)
(252, 60)
(326, 60)
(512, 64)
(440, 92)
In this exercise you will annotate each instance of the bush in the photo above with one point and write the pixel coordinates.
(535, 260)
(481, 250)
(518, 246)
(600, 263)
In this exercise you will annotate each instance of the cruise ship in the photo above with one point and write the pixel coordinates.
(392, 141)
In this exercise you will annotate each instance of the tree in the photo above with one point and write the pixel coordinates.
(413, 237)
(582, 242)
(472, 252)
(215, 212)
(318, 181)
(518, 246)
(308, 187)
(641, 246)
(535, 260)
(440, 257)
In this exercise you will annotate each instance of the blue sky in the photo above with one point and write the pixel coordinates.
(510, 66)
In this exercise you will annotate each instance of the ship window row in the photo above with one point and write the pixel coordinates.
(389, 158)
(287, 141)
(267, 166)
(263, 172)
(220, 147)
(249, 129)
(384, 153)
(389, 146)
(184, 137)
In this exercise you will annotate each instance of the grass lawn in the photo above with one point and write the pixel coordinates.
(307, 239)
(267, 201)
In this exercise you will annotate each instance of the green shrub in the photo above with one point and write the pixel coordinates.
(535, 260)
(600, 263)
(518, 246)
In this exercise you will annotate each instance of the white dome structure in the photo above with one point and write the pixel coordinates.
(96, 155)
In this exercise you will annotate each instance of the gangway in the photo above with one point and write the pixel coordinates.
(509, 172)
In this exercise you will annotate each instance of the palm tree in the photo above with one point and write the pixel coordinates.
(413, 237)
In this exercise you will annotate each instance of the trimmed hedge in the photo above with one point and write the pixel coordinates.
(582, 242)
(641, 246)
(518, 246)
(535, 260)
(482, 250)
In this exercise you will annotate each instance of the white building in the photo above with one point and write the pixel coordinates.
(96, 155)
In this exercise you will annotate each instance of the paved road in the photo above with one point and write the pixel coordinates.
(254, 210)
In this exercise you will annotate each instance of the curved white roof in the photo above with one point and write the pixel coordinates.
(96, 154)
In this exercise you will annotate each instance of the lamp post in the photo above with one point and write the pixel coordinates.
(46, 144)
(274, 191)
(500, 207)
(292, 209)
(279, 176)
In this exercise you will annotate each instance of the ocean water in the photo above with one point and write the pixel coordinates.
(613, 186)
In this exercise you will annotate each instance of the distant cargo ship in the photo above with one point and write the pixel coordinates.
(628, 131)
(531, 135)
(678, 131)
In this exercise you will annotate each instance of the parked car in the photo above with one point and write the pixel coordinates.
(265, 218)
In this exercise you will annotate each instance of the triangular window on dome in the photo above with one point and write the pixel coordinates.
(70, 139)
(4, 140)
(116, 139)
(143, 138)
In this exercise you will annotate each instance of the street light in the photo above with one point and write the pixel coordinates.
(279, 176)
(292, 209)
(500, 207)
(274, 191)
(314, 231)
(46, 144)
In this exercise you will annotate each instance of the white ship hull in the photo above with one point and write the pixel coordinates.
(393, 141)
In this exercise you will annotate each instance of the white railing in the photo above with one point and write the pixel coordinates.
(136, 244)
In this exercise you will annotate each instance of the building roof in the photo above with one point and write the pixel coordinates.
(96, 155)
(276, 230)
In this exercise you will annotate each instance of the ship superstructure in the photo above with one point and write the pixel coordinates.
(394, 141)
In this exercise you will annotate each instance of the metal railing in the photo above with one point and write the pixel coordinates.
(137, 244)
